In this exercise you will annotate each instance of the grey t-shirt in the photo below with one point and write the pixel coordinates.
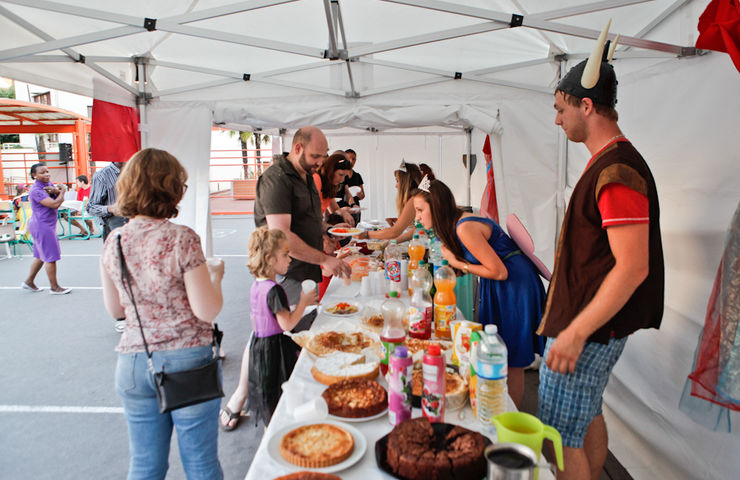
(282, 190)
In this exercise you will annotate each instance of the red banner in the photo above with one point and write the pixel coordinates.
(719, 29)
(114, 135)
(488, 204)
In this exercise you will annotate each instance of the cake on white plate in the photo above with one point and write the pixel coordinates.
(338, 366)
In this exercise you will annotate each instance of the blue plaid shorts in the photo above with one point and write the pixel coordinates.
(568, 402)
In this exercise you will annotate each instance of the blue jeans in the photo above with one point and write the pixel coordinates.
(149, 431)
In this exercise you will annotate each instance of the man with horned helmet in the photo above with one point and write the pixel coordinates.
(608, 278)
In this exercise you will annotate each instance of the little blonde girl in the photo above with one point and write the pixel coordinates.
(270, 356)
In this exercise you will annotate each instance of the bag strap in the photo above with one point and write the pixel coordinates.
(126, 280)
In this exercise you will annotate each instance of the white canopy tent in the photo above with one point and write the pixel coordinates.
(411, 78)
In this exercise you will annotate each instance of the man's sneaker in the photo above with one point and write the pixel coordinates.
(120, 325)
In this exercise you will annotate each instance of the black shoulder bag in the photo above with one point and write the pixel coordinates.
(184, 388)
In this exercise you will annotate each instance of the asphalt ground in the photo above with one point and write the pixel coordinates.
(59, 415)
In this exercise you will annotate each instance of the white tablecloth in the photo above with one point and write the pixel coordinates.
(264, 467)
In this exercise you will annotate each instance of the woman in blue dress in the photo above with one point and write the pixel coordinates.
(511, 294)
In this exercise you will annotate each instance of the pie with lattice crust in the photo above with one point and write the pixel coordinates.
(316, 446)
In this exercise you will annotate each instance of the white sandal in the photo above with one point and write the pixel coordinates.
(26, 286)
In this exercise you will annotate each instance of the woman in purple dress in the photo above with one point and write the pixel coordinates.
(45, 200)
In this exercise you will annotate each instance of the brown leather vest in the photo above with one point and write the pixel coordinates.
(584, 258)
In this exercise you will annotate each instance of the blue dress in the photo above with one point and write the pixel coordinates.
(514, 305)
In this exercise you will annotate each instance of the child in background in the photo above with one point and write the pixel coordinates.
(270, 356)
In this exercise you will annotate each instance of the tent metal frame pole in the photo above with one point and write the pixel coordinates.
(540, 21)
(562, 172)
(510, 66)
(225, 10)
(142, 105)
(451, 75)
(425, 38)
(332, 52)
(67, 42)
(657, 21)
(469, 169)
(71, 54)
(340, 22)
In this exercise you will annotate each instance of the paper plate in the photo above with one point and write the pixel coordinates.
(345, 231)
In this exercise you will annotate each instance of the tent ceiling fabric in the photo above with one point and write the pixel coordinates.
(331, 50)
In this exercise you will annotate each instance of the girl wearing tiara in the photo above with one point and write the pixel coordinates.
(511, 294)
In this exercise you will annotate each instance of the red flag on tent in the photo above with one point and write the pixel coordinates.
(114, 135)
(719, 28)
(488, 204)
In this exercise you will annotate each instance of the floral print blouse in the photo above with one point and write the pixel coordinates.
(158, 253)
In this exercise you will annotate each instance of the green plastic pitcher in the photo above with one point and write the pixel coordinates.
(526, 429)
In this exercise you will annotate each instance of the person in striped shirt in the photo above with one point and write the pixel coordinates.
(103, 197)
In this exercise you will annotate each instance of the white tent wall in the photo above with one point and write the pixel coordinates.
(184, 130)
(683, 116)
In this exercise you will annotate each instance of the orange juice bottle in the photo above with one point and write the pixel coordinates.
(445, 302)
(416, 253)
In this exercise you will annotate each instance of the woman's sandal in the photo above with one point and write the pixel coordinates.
(226, 427)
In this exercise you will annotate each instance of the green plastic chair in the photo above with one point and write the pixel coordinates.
(82, 218)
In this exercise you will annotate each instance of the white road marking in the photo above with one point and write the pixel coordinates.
(57, 409)
(46, 288)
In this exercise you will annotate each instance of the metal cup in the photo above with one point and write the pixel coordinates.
(510, 461)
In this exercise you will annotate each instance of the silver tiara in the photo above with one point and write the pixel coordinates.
(402, 167)
(425, 183)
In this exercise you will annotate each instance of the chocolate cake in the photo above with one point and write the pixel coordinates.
(415, 452)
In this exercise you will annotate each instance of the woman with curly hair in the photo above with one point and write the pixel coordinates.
(177, 296)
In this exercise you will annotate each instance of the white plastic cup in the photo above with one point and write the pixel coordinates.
(404, 275)
(315, 409)
(381, 284)
(292, 395)
(366, 288)
(347, 281)
(308, 285)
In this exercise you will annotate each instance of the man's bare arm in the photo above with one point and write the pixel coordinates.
(300, 250)
(630, 247)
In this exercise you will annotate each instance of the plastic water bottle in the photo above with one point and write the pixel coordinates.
(445, 301)
(473, 381)
(393, 333)
(392, 257)
(435, 254)
(399, 385)
(420, 310)
(491, 370)
(435, 385)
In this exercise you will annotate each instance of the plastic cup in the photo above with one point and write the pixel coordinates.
(315, 409)
(308, 285)
(366, 288)
(347, 281)
(292, 394)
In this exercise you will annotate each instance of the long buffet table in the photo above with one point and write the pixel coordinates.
(265, 467)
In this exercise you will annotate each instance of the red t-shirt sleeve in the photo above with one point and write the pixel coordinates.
(82, 193)
(621, 205)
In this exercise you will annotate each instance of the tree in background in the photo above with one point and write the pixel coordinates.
(13, 137)
(255, 139)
